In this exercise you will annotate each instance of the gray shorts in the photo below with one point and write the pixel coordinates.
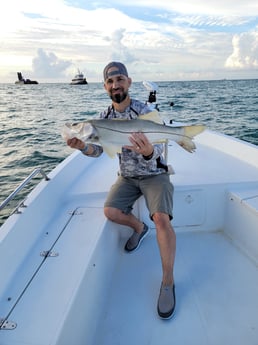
(157, 191)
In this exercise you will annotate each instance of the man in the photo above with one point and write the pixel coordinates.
(142, 172)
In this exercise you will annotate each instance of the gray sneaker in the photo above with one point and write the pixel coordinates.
(135, 240)
(166, 301)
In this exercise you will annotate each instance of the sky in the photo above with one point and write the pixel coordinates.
(158, 40)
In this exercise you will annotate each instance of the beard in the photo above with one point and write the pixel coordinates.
(118, 97)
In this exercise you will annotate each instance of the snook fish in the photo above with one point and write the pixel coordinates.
(113, 134)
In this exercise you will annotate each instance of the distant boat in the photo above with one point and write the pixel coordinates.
(21, 80)
(79, 79)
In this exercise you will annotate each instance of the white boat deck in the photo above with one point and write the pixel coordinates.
(96, 294)
(216, 292)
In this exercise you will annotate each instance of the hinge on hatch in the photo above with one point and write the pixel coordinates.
(7, 325)
(75, 212)
(48, 253)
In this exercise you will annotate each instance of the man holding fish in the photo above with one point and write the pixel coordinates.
(142, 172)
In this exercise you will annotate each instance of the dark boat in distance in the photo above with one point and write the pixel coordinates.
(21, 80)
(79, 79)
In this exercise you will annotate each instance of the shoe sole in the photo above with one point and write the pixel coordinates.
(169, 317)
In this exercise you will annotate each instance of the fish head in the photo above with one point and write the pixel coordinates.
(83, 131)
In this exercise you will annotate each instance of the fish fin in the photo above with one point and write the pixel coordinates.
(152, 116)
(111, 150)
(189, 133)
(160, 141)
(187, 144)
(192, 131)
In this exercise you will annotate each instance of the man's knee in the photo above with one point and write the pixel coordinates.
(111, 213)
(161, 218)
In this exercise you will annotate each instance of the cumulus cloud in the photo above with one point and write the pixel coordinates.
(157, 37)
(118, 50)
(49, 65)
(245, 51)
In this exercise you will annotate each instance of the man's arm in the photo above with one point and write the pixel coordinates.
(90, 150)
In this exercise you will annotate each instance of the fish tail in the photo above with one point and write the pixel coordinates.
(192, 131)
(189, 133)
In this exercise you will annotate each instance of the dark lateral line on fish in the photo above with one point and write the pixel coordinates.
(145, 132)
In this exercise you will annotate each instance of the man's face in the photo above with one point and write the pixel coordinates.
(117, 86)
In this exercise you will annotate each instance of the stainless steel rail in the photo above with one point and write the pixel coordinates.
(22, 185)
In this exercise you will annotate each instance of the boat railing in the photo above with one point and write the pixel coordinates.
(21, 186)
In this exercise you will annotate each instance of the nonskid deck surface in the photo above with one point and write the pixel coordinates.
(216, 291)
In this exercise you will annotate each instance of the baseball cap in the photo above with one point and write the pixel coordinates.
(120, 69)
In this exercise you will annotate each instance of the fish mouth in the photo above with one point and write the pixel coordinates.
(78, 130)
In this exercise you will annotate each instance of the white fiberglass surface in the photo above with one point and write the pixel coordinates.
(216, 295)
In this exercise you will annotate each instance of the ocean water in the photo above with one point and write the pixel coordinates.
(31, 118)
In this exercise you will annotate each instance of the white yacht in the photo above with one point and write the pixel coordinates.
(79, 79)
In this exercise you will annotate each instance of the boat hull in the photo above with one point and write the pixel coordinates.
(68, 277)
(79, 82)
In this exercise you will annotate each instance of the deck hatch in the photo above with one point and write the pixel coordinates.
(27, 273)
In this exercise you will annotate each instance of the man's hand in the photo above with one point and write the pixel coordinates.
(76, 143)
(140, 144)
